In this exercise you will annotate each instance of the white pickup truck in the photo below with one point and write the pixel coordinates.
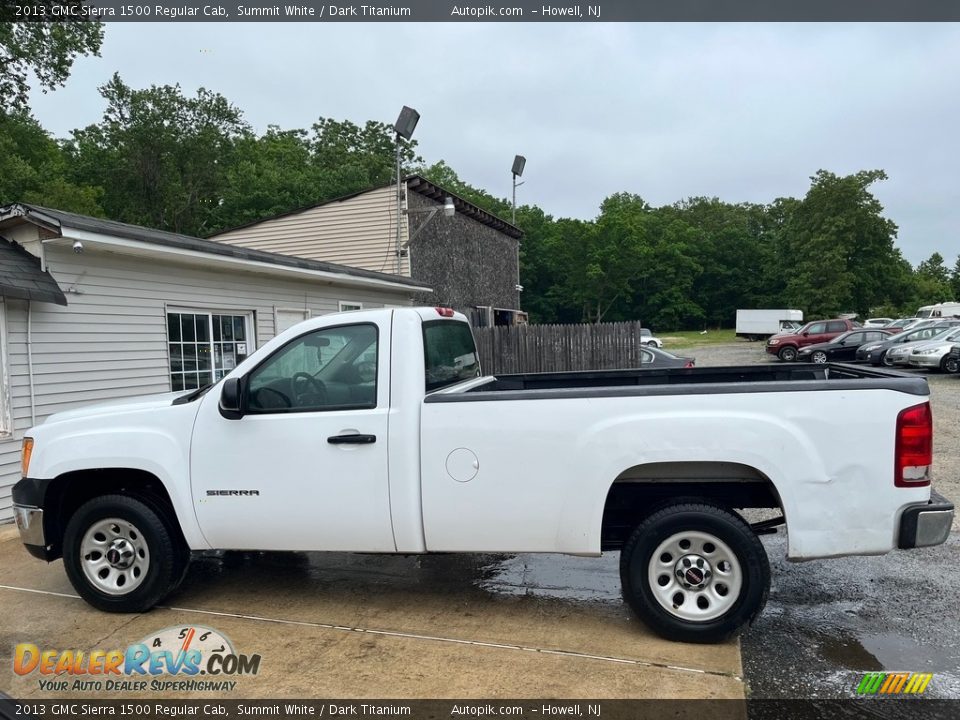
(374, 431)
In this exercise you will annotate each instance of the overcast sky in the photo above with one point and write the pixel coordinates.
(740, 112)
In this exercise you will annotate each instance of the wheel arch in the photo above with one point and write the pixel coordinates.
(642, 489)
(68, 491)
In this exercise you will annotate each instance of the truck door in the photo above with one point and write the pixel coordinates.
(305, 467)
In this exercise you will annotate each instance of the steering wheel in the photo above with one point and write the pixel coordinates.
(315, 386)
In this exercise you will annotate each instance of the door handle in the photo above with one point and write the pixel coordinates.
(352, 439)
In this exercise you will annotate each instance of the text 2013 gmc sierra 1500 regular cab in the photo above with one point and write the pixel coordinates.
(374, 431)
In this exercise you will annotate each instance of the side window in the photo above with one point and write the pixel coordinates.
(836, 327)
(817, 328)
(646, 357)
(856, 338)
(450, 354)
(329, 369)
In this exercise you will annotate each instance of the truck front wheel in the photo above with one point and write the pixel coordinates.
(121, 554)
(787, 354)
(695, 572)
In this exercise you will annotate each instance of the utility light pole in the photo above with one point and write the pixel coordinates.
(405, 125)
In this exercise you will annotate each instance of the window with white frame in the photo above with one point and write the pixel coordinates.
(204, 346)
(6, 420)
(286, 318)
(346, 305)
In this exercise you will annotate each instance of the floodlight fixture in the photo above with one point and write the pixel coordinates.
(406, 122)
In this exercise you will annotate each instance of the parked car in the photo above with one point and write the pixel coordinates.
(900, 355)
(901, 323)
(932, 354)
(648, 338)
(842, 348)
(298, 449)
(651, 357)
(786, 345)
(875, 353)
(877, 322)
(951, 363)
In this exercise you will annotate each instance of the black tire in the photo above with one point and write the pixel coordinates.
(787, 354)
(819, 357)
(950, 365)
(697, 517)
(886, 361)
(166, 554)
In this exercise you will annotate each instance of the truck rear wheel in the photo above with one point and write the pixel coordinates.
(695, 572)
(122, 554)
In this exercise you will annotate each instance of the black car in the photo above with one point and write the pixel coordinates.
(876, 352)
(651, 357)
(842, 348)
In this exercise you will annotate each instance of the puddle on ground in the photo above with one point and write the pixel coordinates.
(556, 577)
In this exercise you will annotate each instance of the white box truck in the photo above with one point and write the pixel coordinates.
(761, 324)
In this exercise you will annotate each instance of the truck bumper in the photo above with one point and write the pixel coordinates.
(926, 525)
(28, 497)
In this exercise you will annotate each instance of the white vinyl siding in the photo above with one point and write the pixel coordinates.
(111, 340)
(6, 421)
(360, 231)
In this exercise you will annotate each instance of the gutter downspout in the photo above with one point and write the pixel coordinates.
(33, 400)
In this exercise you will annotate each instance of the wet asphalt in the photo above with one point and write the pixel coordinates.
(826, 622)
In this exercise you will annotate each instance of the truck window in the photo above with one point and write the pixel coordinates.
(449, 352)
(329, 369)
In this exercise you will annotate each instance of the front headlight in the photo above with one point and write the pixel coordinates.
(870, 348)
(773, 341)
(930, 351)
(27, 451)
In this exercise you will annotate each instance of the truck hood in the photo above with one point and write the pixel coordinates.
(144, 402)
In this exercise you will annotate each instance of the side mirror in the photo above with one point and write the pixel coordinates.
(230, 399)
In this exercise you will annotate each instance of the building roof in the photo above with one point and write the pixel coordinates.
(21, 276)
(58, 220)
(415, 183)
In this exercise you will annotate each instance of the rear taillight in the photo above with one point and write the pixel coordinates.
(913, 455)
(688, 364)
(444, 312)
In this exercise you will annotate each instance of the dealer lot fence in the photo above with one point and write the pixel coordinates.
(558, 348)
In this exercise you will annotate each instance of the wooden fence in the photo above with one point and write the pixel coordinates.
(557, 348)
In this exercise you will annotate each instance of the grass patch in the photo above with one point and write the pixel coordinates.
(694, 338)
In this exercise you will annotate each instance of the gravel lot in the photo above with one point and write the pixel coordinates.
(944, 399)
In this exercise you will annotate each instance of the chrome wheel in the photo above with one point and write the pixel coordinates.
(114, 556)
(695, 576)
(819, 357)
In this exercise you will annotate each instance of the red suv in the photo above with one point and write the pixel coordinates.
(785, 345)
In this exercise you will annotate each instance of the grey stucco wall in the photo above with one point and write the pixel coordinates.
(465, 262)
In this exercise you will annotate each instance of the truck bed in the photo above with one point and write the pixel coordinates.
(736, 379)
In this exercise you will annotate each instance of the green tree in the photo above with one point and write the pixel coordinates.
(44, 49)
(932, 281)
(161, 157)
(840, 245)
(955, 279)
(33, 169)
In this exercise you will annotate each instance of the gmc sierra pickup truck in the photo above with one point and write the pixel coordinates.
(374, 431)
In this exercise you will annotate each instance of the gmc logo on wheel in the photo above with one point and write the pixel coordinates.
(233, 492)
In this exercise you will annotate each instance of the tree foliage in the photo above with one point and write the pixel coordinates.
(44, 49)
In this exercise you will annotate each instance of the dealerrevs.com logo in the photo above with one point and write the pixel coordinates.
(178, 658)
